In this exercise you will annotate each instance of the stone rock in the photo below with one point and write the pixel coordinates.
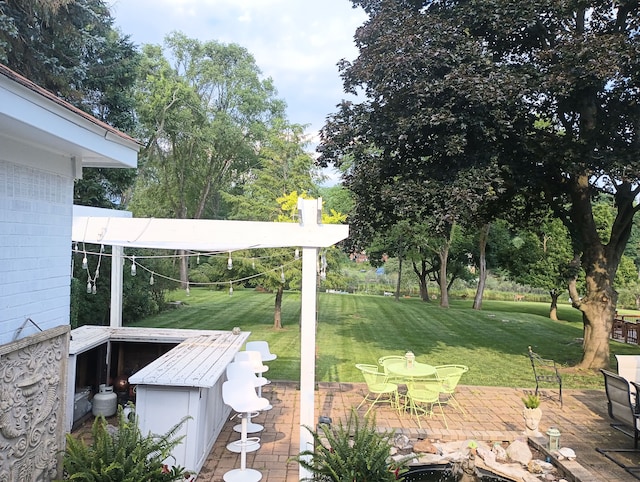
(425, 447)
(519, 451)
(402, 442)
(567, 453)
(501, 453)
(534, 467)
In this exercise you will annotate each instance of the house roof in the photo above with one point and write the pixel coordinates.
(34, 118)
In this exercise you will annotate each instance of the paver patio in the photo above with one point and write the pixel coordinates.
(494, 414)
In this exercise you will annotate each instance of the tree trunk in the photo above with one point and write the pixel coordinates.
(422, 275)
(184, 269)
(553, 310)
(482, 262)
(443, 253)
(600, 263)
(399, 278)
(277, 313)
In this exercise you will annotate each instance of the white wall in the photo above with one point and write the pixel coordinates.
(35, 234)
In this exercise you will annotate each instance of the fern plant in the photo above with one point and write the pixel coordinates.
(122, 454)
(355, 451)
(531, 401)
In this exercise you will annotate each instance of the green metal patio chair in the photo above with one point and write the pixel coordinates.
(379, 389)
(450, 376)
(422, 395)
(384, 360)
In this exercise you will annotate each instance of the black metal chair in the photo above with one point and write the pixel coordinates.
(545, 371)
(624, 411)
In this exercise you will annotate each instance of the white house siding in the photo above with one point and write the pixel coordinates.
(35, 233)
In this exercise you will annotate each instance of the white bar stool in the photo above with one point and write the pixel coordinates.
(241, 396)
(263, 348)
(243, 371)
(259, 368)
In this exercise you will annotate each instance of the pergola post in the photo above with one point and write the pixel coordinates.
(310, 211)
(117, 268)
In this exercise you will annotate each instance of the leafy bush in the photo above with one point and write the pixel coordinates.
(355, 451)
(122, 454)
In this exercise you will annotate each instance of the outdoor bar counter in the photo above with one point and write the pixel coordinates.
(187, 381)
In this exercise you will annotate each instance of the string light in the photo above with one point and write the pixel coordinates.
(297, 254)
(282, 278)
(133, 265)
(135, 262)
(89, 286)
(198, 259)
(229, 262)
(151, 280)
(230, 288)
(85, 262)
(187, 290)
(94, 290)
(253, 263)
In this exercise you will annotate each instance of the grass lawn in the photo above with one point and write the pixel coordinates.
(359, 329)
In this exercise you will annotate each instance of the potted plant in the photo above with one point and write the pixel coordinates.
(352, 451)
(532, 414)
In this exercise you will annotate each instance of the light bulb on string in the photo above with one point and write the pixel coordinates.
(89, 286)
(229, 262)
(85, 262)
(94, 290)
(198, 259)
(133, 265)
(75, 246)
(187, 290)
(97, 275)
(253, 263)
(151, 280)
(282, 278)
(102, 248)
(297, 254)
(230, 289)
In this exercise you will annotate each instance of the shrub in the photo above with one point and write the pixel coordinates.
(122, 454)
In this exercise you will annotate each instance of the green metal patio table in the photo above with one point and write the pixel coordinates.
(400, 371)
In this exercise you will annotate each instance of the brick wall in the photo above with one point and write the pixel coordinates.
(35, 248)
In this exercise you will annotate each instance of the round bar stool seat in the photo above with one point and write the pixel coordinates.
(263, 348)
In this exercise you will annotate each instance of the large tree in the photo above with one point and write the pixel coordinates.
(205, 109)
(71, 48)
(553, 85)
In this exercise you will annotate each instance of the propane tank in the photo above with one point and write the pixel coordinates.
(105, 402)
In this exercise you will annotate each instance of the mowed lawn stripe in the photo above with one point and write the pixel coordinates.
(359, 329)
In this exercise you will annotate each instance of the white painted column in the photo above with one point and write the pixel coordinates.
(309, 212)
(117, 269)
(307, 351)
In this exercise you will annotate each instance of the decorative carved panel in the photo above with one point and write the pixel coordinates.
(32, 401)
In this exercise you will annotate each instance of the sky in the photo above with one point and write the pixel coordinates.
(297, 43)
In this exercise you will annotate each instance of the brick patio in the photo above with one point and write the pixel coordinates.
(494, 414)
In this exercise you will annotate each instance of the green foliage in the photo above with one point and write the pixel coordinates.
(531, 401)
(140, 297)
(352, 451)
(203, 109)
(124, 455)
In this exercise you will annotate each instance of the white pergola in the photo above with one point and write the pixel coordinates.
(100, 227)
